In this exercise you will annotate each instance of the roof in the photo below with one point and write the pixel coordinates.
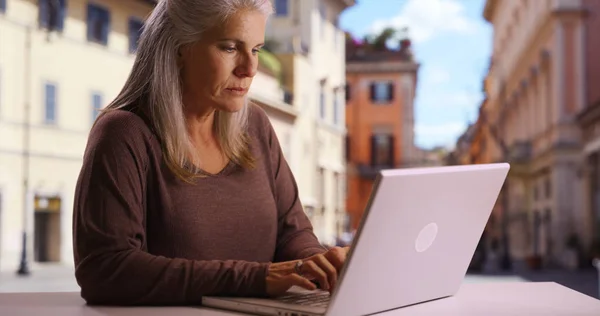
(488, 10)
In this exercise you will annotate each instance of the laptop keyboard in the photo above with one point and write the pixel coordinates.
(315, 299)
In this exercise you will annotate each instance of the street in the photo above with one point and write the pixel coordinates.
(58, 278)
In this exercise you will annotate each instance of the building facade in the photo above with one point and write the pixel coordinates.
(589, 121)
(540, 79)
(380, 91)
(306, 37)
(52, 85)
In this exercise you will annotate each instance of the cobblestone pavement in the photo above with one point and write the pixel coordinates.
(57, 278)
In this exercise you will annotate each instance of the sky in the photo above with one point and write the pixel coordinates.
(451, 42)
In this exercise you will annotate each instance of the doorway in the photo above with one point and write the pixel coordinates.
(47, 241)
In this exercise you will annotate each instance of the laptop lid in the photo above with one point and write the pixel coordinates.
(417, 237)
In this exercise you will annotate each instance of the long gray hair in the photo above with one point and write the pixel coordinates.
(154, 83)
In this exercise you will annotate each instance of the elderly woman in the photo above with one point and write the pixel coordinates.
(184, 190)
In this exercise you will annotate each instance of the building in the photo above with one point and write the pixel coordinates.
(589, 120)
(267, 90)
(307, 39)
(541, 78)
(51, 87)
(380, 90)
(463, 153)
(52, 84)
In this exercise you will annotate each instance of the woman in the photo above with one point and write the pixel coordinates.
(184, 191)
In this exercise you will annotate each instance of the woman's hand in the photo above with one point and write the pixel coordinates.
(323, 268)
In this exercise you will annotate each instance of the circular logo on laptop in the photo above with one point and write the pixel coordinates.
(426, 237)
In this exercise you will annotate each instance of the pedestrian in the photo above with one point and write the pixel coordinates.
(184, 191)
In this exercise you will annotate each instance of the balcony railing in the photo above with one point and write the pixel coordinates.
(520, 152)
(368, 171)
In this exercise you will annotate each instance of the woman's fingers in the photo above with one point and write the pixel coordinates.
(298, 280)
(337, 257)
(329, 269)
(313, 269)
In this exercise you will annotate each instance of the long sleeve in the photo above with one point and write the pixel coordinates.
(296, 239)
(112, 263)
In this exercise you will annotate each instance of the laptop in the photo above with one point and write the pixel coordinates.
(414, 244)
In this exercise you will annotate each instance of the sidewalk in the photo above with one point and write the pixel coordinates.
(583, 281)
(43, 278)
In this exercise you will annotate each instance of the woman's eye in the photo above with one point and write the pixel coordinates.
(229, 49)
(256, 51)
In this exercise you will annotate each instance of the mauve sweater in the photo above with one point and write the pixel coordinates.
(144, 237)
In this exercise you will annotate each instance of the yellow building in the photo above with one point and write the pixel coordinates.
(307, 38)
(51, 86)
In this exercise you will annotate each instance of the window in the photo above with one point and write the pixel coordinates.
(347, 91)
(382, 92)
(50, 104)
(96, 105)
(336, 110)
(2, 5)
(52, 14)
(348, 147)
(323, 14)
(548, 188)
(281, 7)
(135, 31)
(98, 24)
(382, 150)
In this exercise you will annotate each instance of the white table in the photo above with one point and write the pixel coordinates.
(518, 298)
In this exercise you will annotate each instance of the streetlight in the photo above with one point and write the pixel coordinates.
(23, 265)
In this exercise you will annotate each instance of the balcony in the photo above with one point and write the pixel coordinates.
(367, 171)
(519, 156)
(520, 152)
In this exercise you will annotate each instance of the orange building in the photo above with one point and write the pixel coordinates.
(380, 89)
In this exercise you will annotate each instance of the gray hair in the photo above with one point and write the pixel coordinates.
(154, 84)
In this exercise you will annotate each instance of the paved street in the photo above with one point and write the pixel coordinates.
(56, 278)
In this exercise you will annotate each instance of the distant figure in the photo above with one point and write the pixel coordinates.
(184, 191)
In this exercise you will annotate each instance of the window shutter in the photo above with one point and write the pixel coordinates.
(135, 32)
(62, 15)
(390, 91)
(372, 91)
(347, 92)
(53, 11)
(43, 13)
(373, 150)
(347, 147)
(91, 17)
(105, 25)
(392, 151)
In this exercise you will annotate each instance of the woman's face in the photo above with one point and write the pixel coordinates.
(217, 70)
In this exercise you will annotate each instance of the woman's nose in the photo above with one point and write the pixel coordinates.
(248, 66)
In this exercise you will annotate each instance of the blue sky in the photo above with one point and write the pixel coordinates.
(452, 42)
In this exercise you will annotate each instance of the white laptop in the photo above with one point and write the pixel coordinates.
(415, 242)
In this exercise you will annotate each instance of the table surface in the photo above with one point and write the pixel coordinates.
(505, 298)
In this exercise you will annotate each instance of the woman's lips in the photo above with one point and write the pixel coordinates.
(237, 90)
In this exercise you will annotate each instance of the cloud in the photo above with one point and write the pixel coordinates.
(426, 18)
(429, 135)
(456, 100)
(462, 99)
(437, 76)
